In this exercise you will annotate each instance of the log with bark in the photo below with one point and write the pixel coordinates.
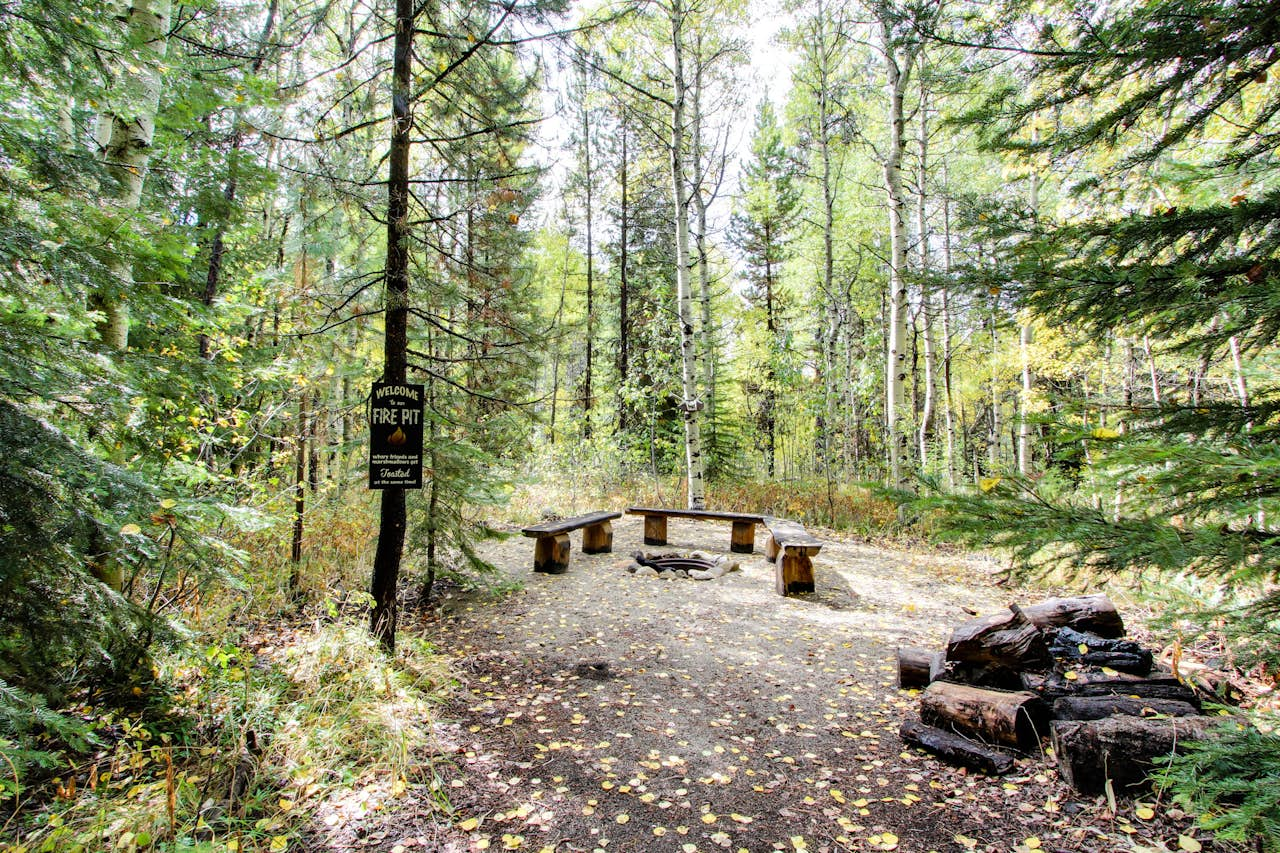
(1100, 707)
(1093, 613)
(1004, 639)
(1082, 647)
(1009, 718)
(954, 749)
(1122, 749)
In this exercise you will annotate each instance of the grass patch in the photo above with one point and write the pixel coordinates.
(260, 737)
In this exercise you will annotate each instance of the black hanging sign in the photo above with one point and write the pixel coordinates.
(395, 436)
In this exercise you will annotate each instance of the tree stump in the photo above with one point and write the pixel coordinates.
(551, 554)
(1122, 749)
(1005, 717)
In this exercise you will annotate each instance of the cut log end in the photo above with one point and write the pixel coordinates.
(1120, 749)
(1016, 719)
(918, 667)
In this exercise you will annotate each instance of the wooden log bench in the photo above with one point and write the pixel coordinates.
(791, 548)
(551, 550)
(742, 538)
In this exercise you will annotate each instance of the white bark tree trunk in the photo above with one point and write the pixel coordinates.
(1024, 352)
(124, 135)
(684, 295)
(897, 68)
(926, 296)
(948, 408)
(1024, 411)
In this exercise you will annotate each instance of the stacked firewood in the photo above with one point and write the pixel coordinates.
(1059, 670)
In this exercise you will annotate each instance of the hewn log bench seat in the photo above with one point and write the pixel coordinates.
(790, 547)
(551, 551)
(742, 538)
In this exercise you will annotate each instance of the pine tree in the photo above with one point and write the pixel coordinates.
(771, 195)
(1168, 110)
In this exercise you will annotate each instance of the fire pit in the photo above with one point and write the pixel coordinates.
(696, 565)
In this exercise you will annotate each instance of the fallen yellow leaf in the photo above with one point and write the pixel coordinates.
(469, 824)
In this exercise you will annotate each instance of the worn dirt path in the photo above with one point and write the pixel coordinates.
(729, 718)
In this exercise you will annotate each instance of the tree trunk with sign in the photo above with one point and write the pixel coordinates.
(393, 517)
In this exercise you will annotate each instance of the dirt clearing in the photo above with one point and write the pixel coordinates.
(601, 710)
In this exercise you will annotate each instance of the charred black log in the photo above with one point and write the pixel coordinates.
(1080, 647)
(1101, 707)
(954, 749)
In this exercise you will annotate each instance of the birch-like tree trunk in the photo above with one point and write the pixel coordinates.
(1024, 353)
(691, 406)
(624, 294)
(698, 197)
(124, 135)
(948, 403)
(1024, 409)
(926, 295)
(589, 179)
(898, 60)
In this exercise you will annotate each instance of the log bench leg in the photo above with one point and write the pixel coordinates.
(551, 554)
(598, 538)
(655, 530)
(771, 548)
(793, 572)
(743, 538)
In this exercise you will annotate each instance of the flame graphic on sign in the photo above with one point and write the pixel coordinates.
(398, 437)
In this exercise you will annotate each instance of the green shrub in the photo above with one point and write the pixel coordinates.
(1233, 783)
